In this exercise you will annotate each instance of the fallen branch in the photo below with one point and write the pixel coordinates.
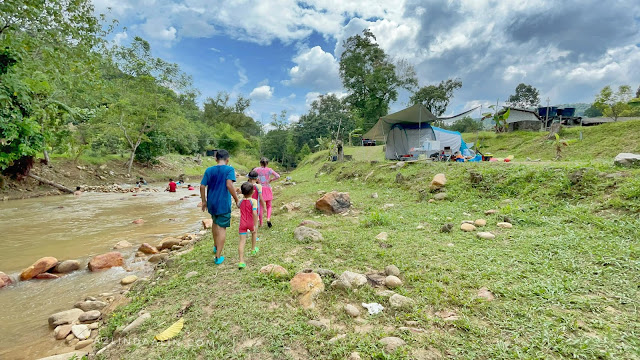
(50, 183)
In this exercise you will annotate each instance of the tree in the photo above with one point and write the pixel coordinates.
(638, 93)
(371, 78)
(466, 124)
(327, 117)
(436, 98)
(217, 110)
(593, 111)
(499, 118)
(526, 96)
(613, 104)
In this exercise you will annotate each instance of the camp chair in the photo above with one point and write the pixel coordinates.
(448, 154)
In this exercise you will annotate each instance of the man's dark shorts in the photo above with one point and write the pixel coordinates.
(222, 220)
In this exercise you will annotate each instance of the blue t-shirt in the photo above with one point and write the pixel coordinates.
(218, 196)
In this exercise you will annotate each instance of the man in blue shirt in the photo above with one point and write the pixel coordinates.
(216, 192)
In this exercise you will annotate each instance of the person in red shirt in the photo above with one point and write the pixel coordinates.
(171, 187)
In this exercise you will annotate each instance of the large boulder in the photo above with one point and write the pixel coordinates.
(627, 160)
(274, 270)
(334, 203)
(438, 182)
(40, 266)
(67, 266)
(307, 286)
(4, 280)
(65, 317)
(106, 261)
(148, 249)
(306, 234)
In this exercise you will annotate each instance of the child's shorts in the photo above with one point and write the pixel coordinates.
(245, 229)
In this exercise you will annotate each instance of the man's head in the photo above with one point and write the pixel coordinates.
(247, 189)
(170, 179)
(141, 179)
(78, 188)
(222, 156)
(253, 176)
(264, 162)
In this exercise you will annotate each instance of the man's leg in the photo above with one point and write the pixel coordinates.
(214, 234)
(221, 234)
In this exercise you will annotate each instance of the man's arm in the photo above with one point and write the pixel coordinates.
(232, 191)
(203, 196)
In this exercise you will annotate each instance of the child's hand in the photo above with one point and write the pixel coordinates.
(204, 206)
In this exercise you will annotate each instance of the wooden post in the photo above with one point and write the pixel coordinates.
(51, 183)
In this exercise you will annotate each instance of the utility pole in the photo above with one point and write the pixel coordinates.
(546, 120)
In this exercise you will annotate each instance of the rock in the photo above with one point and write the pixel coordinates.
(168, 243)
(290, 207)
(83, 344)
(386, 293)
(93, 325)
(447, 315)
(46, 276)
(90, 316)
(190, 274)
(400, 164)
(310, 223)
(374, 195)
(491, 212)
(5, 280)
(67, 266)
(401, 302)
(467, 227)
(138, 222)
(399, 178)
(90, 305)
(375, 279)
(486, 235)
(337, 338)
(319, 324)
(135, 324)
(145, 248)
(70, 336)
(355, 356)
(486, 294)
(62, 331)
(65, 317)
(392, 282)
(475, 177)
(306, 234)
(128, 280)
(81, 332)
(176, 247)
(387, 206)
(106, 261)
(431, 201)
(207, 223)
(391, 270)
(334, 203)
(274, 270)
(392, 343)
(40, 266)
(348, 280)
(158, 257)
(627, 160)
(440, 196)
(505, 225)
(446, 228)
(307, 286)
(326, 273)
(438, 182)
(420, 227)
(480, 222)
(351, 310)
(122, 245)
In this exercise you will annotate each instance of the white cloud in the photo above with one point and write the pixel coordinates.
(316, 70)
(242, 77)
(221, 59)
(264, 92)
(314, 95)
(214, 49)
(157, 29)
(293, 118)
(119, 37)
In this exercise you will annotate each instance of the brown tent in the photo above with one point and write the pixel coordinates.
(415, 114)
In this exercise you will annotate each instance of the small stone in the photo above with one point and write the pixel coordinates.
(486, 235)
(447, 315)
(374, 195)
(326, 273)
(84, 343)
(190, 274)
(307, 234)
(158, 257)
(348, 280)
(438, 182)
(46, 276)
(90, 305)
(450, 245)
(122, 245)
(446, 228)
(401, 302)
(82, 332)
(431, 201)
(351, 310)
(387, 206)
(318, 323)
(392, 343)
(62, 331)
(467, 227)
(391, 270)
(486, 294)
(382, 236)
(491, 212)
(386, 293)
(420, 227)
(67, 266)
(89, 316)
(70, 336)
(128, 280)
(336, 338)
(392, 282)
(145, 248)
(440, 196)
(168, 243)
(505, 225)
(355, 356)
(93, 325)
(480, 222)
(274, 270)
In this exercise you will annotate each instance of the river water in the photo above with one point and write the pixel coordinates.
(70, 227)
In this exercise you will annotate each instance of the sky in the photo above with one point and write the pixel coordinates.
(284, 53)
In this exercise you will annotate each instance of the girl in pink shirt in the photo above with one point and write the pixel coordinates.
(265, 176)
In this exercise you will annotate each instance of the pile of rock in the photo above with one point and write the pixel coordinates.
(46, 268)
(78, 326)
(471, 226)
(115, 188)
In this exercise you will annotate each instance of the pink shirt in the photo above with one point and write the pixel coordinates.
(264, 175)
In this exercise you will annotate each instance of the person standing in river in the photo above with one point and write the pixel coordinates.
(265, 176)
(216, 191)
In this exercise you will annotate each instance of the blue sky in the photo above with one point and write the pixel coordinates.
(284, 53)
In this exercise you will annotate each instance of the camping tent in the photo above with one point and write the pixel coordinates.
(452, 140)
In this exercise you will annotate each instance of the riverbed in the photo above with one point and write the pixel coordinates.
(76, 227)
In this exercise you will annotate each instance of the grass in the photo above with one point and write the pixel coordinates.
(565, 277)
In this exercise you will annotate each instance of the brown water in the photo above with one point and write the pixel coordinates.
(69, 227)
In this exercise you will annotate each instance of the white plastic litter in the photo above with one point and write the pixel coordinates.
(374, 308)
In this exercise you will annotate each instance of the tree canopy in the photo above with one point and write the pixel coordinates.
(436, 98)
(526, 96)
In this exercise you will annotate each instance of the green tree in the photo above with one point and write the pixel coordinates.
(638, 93)
(218, 110)
(613, 104)
(466, 124)
(592, 112)
(526, 96)
(328, 117)
(436, 98)
(371, 78)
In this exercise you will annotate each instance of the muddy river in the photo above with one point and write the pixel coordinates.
(70, 227)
